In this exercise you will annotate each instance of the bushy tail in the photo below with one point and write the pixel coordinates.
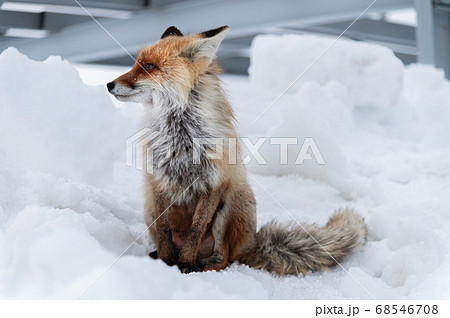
(294, 249)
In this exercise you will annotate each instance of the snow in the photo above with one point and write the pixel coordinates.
(402, 16)
(370, 73)
(51, 100)
(69, 206)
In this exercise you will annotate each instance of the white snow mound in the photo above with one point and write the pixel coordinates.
(371, 73)
(52, 122)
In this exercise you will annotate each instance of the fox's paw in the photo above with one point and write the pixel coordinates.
(187, 268)
(170, 259)
(214, 262)
(153, 255)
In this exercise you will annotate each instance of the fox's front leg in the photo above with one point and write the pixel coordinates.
(164, 244)
(203, 215)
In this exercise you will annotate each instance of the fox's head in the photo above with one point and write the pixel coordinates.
(168, 68)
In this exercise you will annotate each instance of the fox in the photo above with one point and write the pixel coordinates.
(202, 215)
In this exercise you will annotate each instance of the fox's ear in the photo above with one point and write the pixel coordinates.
(214, 32)
(171, 31)
(205, 44)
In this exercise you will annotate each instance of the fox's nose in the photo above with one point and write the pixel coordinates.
(110, 85)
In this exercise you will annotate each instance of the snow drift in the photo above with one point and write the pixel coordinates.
(69, 206)
(326, 81)
(43, 100)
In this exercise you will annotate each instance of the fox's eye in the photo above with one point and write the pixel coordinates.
(149, 66)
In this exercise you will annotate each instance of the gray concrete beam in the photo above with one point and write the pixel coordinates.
(400, 38)
(23, 20)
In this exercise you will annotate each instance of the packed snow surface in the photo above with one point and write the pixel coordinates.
(69, 206)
